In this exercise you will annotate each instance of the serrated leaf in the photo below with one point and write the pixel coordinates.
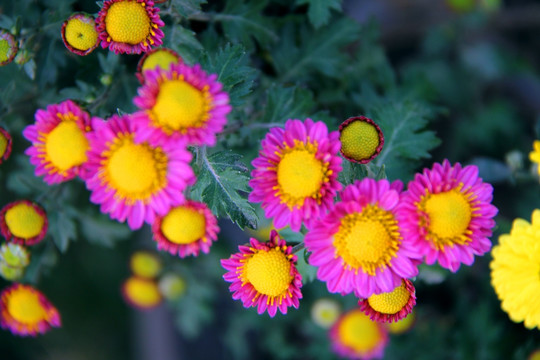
(101, 230)
(63, 229)
(287, 103)
(185, 43)
(319, 10)
(242, 21)
(188, 7)
(223, 184)
(319, 51)
(230, 64)
(351, 172)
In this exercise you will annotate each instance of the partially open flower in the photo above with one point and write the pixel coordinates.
(23, 222)
(5, 145)
(172, 286)
(141, 293)
(14, 255)
(355, 336)
(390, 306)
(59, 141)
(25, 311)
(157, 58)
(145, 264)
(129, 26)
(8, 47)
(264, 275)
(361, 139)
(79, 34)
(325, 312)
(186, 229)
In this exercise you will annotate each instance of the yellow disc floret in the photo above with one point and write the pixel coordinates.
(180, 106)
(24, 221)
(448, 217)
(80, 34)
(145, 264)
(358, 332)
(25, 306)
(269, 272)
(136, 171)
(160, 58)
(184, 225)
(391, 302)
(128, 22)
(359, 140)
(3, 143)
(66, 145)
(5, 50)
(367, 240)
(142, 292)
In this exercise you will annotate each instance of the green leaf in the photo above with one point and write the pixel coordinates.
(308, 272)
(63, 229)
(287, 103)
(101, 230)
(242, 21)
(319, 10)
(223, 184)
(320, 51)
(184, 42)
(351, 172)
(231, 65)
(188, 7)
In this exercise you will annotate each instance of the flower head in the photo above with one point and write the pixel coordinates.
(14, 258)
(132, 180)
(145, 264)
(264, 275)
(5, 145)
(325, 312)
(59, 141)
(8, 47)
(514, 271)
(156, 58)
(186, 229)
(172, 286)
(448, 214)
(534, 155)
(25, 311)
(355, 336)
(79, 34)
(390, 306)
(358, 245)
(181, 103)
(129, 26)
(141, 293)
(295, 175)
(361, 139)
(23, 222)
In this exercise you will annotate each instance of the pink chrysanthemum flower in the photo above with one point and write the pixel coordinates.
(156, 58)
(79, 34)
(59, 141)
(448, 215)
(134, 180)
(264, 275)
(181, 103)
(5, 145)
(26, 311)
(129, 26)
(186, 229)
(295, 175)
(390, 306)
(358, 245)
(23, 222)
(355, 336)
(8, 47)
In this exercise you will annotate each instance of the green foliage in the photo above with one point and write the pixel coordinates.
(188, 7)
(319, 11)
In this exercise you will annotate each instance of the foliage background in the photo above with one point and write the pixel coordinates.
(462, 85)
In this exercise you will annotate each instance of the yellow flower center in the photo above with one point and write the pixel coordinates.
(24, 306)
(128, 22)
(5, 50)
(3, 143)
(367, 240)
(136, 171)
(184, 225)
(24, 221)
(180, 106)
(142, 292)
(358, 332)
(448, 215)
(359, 140)
(300, 174)
(145, 264)
(160, 58)
(81, 35)
(66, 145)
(390, 302)
(269, 272)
